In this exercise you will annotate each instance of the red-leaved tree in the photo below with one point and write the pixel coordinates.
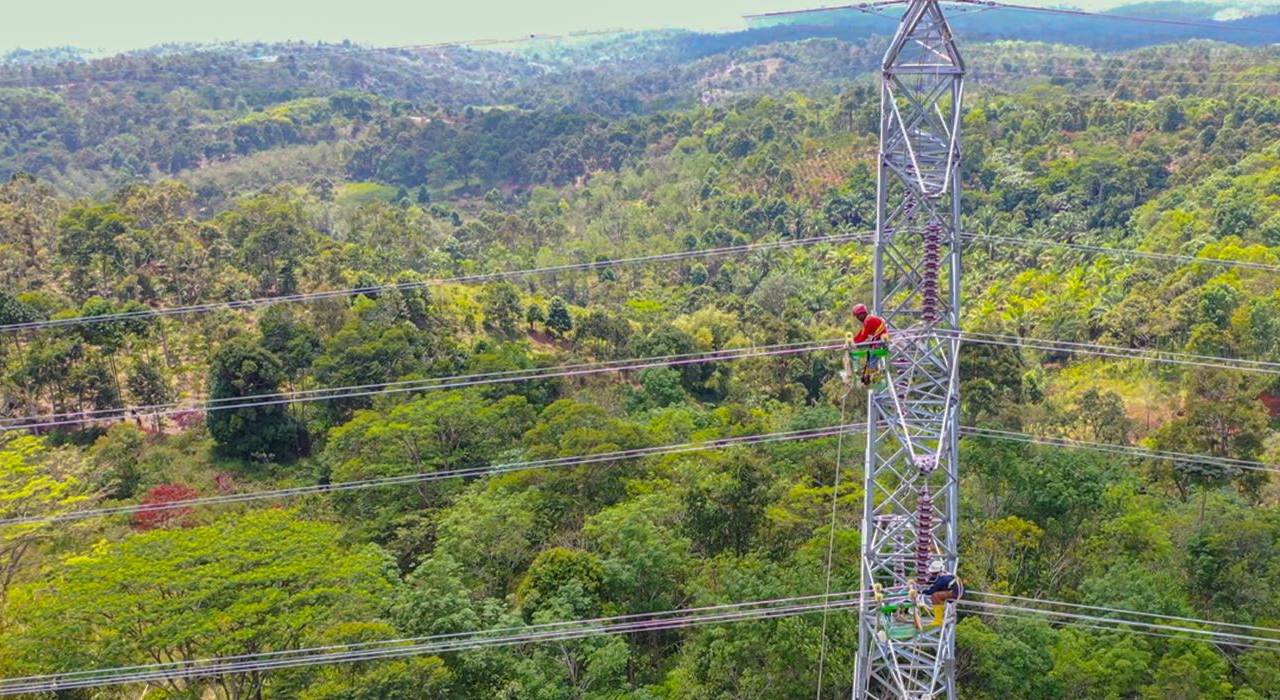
(157, 513)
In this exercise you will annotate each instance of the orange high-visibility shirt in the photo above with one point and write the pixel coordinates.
(873, 329)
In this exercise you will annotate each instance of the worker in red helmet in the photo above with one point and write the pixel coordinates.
(870, 343)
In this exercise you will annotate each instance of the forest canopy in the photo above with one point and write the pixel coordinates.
(248, 283)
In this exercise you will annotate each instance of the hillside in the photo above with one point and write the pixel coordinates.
(529, 468)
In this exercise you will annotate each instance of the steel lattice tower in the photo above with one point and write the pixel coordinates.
(910, 511)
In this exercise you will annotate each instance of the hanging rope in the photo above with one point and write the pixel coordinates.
(831, 535)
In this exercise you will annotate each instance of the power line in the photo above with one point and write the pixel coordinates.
(1172, 72)
(1021, 608)
(1117, 352)
(857, 237)
(411, 384)
(831, 536)
(56, 419)
(637, 453)
(1135, 60)
(455, 382)
(258, 302)
(423, 477)
(1131, 62)
(860, 7)
(999, 613)
(1208, 635)
(1115, 17)
(1131, 82)
(462, 381)
(994, 5)
(1123, 252)
(1122, 450)
(1135, 613)
(437, 644)
(454, 635)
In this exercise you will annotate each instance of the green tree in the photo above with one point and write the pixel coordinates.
(645, 559)
(492, 533)
(559, 323)
(534, 315)
(1189, 671)
(436, 600)
(502, 309)
(607, 333)
(13, 310)
(564, 580)
(660, 387)
(88, 244)
(438, 432)
(380, 344)
(35, 482)
(1102, 416)
(1217, 302)
(1092, 667)
(1009, 661)
(726, 503)
(117, 457)
(1222, 418)
(242, 368)
(149, 386)
(698, 274)
(262, 582)
(95, 386)
(418, 678)
(295, 342)
(271, 233)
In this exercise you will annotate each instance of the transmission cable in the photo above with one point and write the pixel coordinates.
(451, 635)
(1145, 254)
(831, 535)
(397, 648)
(455, 382)
(1117, 352)
(1215, 636)
(997, 4)
(1136, 613)
(529, 373)
(423, 477)
(1112, 82)
(999, 613)
(758, 610)
(637, 453)
(1123, 450)
(258, 302)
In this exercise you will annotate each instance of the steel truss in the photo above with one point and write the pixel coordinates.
(910, 510)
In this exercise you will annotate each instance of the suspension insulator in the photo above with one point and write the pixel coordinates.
(924, 535)
(929, 269)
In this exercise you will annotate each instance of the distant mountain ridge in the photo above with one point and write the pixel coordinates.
(1261, 23)
(236, 112)
(685, 45)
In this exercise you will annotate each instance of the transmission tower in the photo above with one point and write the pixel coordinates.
(910, 512)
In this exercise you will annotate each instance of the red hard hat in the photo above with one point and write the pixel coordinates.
(859, 309)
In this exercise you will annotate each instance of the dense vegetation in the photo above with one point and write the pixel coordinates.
(347, 171)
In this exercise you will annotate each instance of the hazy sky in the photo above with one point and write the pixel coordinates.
(116, 25)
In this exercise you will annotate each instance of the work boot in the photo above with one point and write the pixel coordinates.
(939, 612)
